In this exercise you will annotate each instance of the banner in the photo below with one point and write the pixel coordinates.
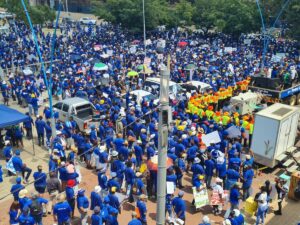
(201, 198)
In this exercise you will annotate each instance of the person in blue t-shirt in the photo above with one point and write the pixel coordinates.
(234, 197)
(238, 217)
(14, 212)
(112, 218)
(62, 211)
(96, 198)
(179, 206)
(134, 220)
(82, 205)
(141, 205)
(209, 170)
(16, 188)
(25, 218)
(96, 218)
(247, 181)
(40, 180)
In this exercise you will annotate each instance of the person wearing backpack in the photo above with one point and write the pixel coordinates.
(96, 218)
(105, 208)
(25, 218)
(36, 208)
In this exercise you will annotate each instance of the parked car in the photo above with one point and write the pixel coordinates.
(68, 20)
(82, 111)
(193, 86)
(144, 95)
(87, 21)
(152, 84)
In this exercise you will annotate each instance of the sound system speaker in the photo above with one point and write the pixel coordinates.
(264, 82)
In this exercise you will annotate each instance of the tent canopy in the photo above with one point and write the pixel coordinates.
(11, 117)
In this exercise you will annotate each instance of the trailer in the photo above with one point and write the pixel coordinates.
(289, 96)
(274, 134)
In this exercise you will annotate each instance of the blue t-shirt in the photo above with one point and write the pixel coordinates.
(62, 210)
(13, 219)
(26, 220)
(179, 205)
(234, 196)
(40, 179)
(143, 210)
(96, 219)
(82, 201)
(135, 222)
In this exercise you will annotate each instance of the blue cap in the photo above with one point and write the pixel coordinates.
(106, 199)
(18, 152)
(225, 133)
(113, 210)
(81, 191)
(18, 180)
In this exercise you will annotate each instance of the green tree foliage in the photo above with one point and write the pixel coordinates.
(38, 14)
(129, 13)
(292, 16)
(184, 12)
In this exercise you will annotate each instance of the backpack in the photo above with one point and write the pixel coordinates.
(104, 213)
(36, 208)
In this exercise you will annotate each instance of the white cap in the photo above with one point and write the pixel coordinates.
(113, 174)
(102, 148)
(114, 153)
(205, 219)
(152, 136)
(193, 128)
(139, 141)
(196, 160)
(143, 130)
(6, 142)
(58, 132)
(236, 212)
(184, 136)
(97, 189)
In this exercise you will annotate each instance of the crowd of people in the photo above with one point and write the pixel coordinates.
(121, 149)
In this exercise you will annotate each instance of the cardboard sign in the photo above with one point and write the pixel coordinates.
(213, 136)
(233, 132)
(170, 187)
(201, 198)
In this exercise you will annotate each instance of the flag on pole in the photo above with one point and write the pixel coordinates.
(9, 166)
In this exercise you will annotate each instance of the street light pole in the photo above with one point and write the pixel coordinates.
(144, 26)
(162, 146)
(67, 7)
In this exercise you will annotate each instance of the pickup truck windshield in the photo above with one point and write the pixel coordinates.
(84, 111)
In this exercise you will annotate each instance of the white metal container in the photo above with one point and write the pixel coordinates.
(274, 133)
(246, 102)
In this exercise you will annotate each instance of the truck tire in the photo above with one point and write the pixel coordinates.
(298, 99)
(292, 101)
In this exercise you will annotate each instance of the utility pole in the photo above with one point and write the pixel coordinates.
(162, 145)
(144, 26)
(67, 7)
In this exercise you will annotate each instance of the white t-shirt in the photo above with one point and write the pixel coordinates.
(262, 200)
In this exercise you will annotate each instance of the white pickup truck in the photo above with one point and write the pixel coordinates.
(82, 111)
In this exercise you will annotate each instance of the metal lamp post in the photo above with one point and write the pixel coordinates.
(162, 146)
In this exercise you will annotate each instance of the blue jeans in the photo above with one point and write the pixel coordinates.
(38, 219)
(260, 215)
(208, 181)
